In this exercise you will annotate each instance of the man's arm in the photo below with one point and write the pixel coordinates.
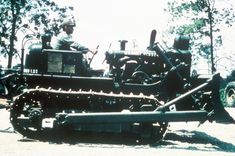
(79, 47)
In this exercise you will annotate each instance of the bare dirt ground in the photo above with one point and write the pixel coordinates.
(181, 139)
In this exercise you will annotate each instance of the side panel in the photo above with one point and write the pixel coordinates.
(69, 82)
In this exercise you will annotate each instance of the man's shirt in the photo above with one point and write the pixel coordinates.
(65, 41)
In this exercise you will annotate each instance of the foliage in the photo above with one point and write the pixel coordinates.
(192, 18)
(22, 15)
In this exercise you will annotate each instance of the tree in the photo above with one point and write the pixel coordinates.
(202, 20)
(21, 15)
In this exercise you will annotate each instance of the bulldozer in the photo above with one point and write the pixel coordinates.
(141, 93)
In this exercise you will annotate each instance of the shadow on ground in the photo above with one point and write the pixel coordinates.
(195, 140)
(180, 139)
(73, 138)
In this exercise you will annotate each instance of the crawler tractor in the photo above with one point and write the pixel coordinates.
(140, 93)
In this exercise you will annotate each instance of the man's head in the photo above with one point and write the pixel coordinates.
(68, 25)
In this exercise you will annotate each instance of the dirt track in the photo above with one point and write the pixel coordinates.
(181, 139)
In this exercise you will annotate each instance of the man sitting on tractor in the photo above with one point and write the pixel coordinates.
(64, 40)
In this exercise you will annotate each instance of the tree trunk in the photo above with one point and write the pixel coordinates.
(213, 70)
(12, 37)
